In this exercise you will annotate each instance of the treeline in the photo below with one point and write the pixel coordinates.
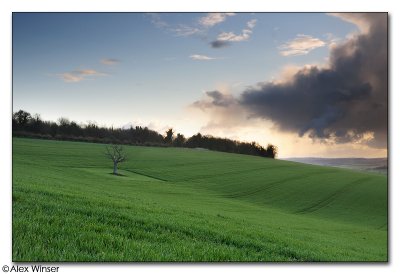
(26, 125)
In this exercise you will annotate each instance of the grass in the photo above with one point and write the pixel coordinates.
(175, 204)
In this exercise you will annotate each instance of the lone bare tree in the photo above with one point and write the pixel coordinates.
(117, 155)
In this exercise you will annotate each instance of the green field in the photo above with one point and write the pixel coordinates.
(178, 204)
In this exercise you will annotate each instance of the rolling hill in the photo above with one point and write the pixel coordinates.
(179, 204)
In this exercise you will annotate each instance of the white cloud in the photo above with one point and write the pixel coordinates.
(199, 57)
(214, 18)
(252, 23)
(227, 37)
(361, 20)
(232, 37)
(301, 45)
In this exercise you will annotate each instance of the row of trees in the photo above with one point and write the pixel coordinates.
(27, 125)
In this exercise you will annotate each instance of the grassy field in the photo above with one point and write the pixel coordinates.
(173, 204)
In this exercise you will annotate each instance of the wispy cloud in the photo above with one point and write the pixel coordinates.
(87, 72)
(156, 20)
(70, 77)
(301, 45)
(214, 18)
(199, 57)
(109, 61)
(176, 29)
(79, 75)
(185, 30)
(252, 23)
(232, 37)
(225, 38)
(199, 27)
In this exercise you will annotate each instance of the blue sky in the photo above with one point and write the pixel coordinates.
(148, 69)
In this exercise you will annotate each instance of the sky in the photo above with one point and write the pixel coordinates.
(313, 84)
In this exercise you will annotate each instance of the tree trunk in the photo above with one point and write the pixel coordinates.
(115, 168)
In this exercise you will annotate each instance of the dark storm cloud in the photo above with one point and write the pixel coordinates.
(219, 44)
(216, 98)
(342, 102)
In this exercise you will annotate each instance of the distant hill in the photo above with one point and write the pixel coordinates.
(368, 164)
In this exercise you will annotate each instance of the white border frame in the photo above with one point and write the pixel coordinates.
(9, 6)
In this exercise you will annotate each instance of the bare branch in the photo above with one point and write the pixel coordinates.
(115, 153)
